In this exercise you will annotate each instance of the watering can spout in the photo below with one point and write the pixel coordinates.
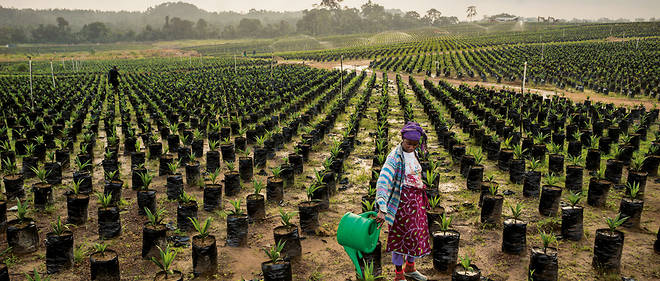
(358, 234)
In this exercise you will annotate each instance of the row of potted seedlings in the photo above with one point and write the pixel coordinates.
(83, 167)
(494, 209)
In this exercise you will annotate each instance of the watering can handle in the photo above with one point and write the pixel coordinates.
(367, 214)
(370, 213)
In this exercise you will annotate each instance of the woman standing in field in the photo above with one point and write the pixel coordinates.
(402, 203)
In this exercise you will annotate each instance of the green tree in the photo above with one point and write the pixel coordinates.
(95, 32)
(201, 28)
(249, 27)
(330, 4)
(62, 24)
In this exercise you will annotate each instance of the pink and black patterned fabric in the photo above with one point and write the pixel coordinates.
(409, 234)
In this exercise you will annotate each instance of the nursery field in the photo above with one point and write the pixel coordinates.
(222, 168)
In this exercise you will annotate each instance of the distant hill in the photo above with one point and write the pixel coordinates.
(124, 20)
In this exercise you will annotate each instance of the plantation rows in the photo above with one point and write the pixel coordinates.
(435, 44)
(205, 167)
(488, 121)
(66, 67)
(547, 33)
(627, 68)
(176, 129)
(439, 41)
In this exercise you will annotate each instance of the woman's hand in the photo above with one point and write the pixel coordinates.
(380, 218)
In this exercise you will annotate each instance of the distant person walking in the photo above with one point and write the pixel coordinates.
(113, 78)
(402, 203)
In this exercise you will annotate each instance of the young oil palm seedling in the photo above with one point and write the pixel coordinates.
(155, 218)
(381, 158)
(532, 179)
(230, 166)
(59, 247)
(514, 232)
(104, 263)
(275, 187)
(13, 180)
(320, 192)
(204, 253)
(237, 225)
(478, 157)
(309, 210)
(228, 151)
(637, 172)
(631, 207)
(574, 172)
(213, 192)
(165, 264)
(476, 172)
(432, 179)
(434, 213)
(368, 205)
(174, 184)
(245, 165)
(445, 245)
(543, 261)
(186, 209)
(608, 245)
(556, 159)
(42, 190)
(276, 267)
(232, 180)
(255, 202)
(108, 217)
(599, 188)
(571, 218)
(192, 171)
(368, 272)
(77, 204)
(113, 185)
(505, 154)
(84, 173)
(486, 185)
(550, 195)
(277, 171)
(22, 232)
(288, 234)
(614, 166)
(491, 208)
(154, 233)
(29, 161)
(466, 270)
(517, 164)
(53, 169)
(146, 197)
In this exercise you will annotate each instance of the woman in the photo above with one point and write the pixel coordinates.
(402, 203)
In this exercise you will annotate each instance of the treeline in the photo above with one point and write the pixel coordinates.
(371, 17)
(173, 21)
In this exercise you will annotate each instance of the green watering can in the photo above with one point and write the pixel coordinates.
(358, 234)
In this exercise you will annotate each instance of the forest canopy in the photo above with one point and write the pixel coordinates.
(172, 21)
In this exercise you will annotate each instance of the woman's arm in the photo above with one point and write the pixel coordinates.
(384, 187)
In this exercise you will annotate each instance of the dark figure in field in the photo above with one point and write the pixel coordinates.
(113, 77)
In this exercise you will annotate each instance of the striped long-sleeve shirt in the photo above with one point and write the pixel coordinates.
(390, 182)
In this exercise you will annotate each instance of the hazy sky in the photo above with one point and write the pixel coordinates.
(566, 9)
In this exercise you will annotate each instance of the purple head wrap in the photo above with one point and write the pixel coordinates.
(413, 131)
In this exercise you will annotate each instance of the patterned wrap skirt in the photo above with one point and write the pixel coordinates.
(409, 235)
